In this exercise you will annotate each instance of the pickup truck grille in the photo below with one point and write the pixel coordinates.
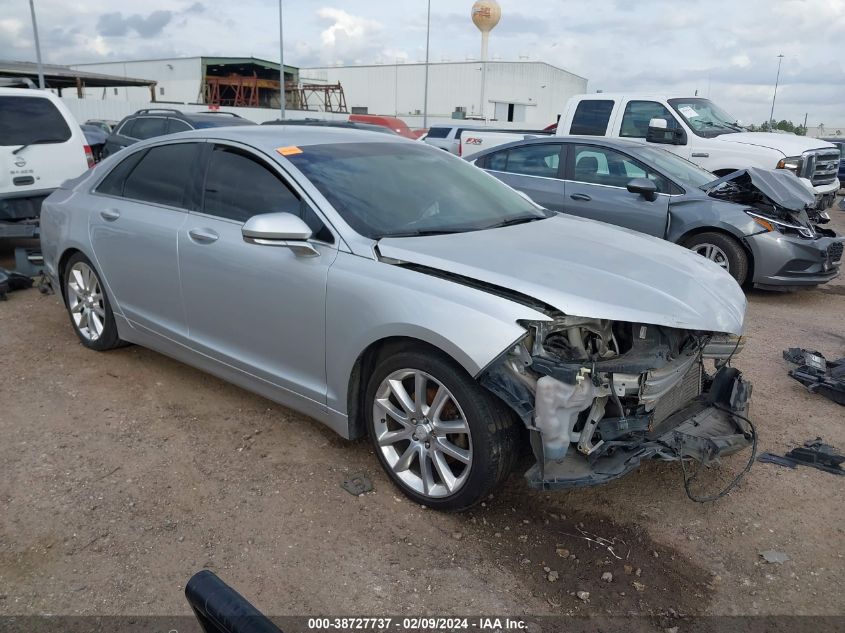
(821, 166)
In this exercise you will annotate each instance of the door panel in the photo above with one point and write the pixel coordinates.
(136, 255)
(546, 192)
(259, 308)
(596, 189)
(134, 228)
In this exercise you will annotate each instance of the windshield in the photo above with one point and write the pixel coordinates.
(705, 117)
(406, 189)
(678, 169)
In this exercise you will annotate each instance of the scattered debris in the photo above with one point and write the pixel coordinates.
(671, 629)
(583, 596)
(774, 557)
(608, 544)
(553, 576)
(10, 281)
(813, 453)
(457, 535)
(607, 577)
(562, 552)
(638, 585)
(817, 374)
(628, 569)
(357, 484)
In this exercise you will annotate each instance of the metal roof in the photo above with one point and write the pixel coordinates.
(56, 76)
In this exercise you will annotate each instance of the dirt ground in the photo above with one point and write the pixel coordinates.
(122, 474)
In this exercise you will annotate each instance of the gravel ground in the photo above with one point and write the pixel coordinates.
(121, 474)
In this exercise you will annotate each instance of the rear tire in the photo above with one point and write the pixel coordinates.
(723, 250)
(88, 305)
(450, 452)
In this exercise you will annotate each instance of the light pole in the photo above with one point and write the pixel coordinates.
(281, 63)
(774, 96)
(37, 46)
(427, 41)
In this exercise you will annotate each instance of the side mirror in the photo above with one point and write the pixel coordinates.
(280, 229)
(659, 132)
(644, 187)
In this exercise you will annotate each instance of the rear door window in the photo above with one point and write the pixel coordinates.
(239, 185)
(163, 175)
(534, 160)
(591, 117)
(25, 120)
(175, 125)
(149, 127)
(112, 184)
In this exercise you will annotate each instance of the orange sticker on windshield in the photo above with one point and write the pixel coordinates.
(290, 150)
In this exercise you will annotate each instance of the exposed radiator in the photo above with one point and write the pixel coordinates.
(687, 389)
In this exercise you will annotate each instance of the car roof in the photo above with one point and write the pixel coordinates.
(605, 141)
(271, 137)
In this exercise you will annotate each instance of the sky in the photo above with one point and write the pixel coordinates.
(724, 49)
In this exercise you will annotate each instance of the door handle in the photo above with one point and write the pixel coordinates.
(110, 215)
(583, 197)
(203, 236)
(700, 155)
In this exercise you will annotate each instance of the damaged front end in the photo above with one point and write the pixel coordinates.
(600, 396)
(775, 196)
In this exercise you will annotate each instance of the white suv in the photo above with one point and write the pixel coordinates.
(41, 146)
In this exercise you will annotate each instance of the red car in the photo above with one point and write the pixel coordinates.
(390, 122)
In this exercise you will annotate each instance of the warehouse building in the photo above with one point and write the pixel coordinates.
(520, 93)
(223, 81)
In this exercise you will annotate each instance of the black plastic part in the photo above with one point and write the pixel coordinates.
(814, 453)
(221, 609)
(10, 281)
(818, 374)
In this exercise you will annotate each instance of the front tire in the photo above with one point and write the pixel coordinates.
(88, 305)
(444, 440)
(723, 250)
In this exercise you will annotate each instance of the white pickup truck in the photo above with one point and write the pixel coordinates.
(693, 128)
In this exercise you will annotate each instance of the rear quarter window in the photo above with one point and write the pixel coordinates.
(25, 120)
(591, 117)
(438, 132)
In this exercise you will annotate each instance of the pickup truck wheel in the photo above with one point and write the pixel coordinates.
(444, 440)
(88, 306)
(722, 250)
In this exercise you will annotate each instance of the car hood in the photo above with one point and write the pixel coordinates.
(788, 144)
(586, 268)
(782, 188)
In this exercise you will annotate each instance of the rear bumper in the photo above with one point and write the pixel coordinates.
(22, 205)
(705, 429)
(784, 262)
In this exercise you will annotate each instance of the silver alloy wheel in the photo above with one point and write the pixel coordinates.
(85, 300)
(422, 432)
(713, 253)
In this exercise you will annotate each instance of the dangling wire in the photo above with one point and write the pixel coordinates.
(737, 479)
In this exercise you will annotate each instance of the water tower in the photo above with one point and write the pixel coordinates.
(485, 15)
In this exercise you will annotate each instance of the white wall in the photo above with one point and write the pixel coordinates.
(399, 89)
(180, 79)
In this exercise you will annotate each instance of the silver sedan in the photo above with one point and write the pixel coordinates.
(388, 289)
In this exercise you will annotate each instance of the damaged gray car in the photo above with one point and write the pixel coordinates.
(386, 288)
(759, 225)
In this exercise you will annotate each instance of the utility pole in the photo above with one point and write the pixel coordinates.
(37, 45)
(774, 96)
(427, 41)
(281, 63)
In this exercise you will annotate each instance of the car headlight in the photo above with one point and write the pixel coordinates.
(792, 163)
(770, 224)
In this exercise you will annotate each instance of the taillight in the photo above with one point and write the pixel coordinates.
(89, 156)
